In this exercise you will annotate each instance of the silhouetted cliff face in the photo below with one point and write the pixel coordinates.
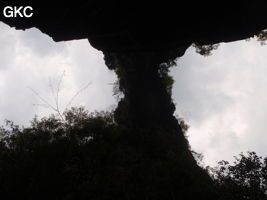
(131, 26)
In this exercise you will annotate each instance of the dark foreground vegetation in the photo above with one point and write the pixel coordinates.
(246, 179)
(85, 156)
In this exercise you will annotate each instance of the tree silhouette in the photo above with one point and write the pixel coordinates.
(246, 179)
(89, 156)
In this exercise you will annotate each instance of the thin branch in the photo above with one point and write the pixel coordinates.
(47, 105)
(58, 88)
(44, 105)
(77, 94)
(55, 95)
(50, 85)
(41, 98)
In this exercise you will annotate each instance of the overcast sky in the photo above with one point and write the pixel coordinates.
(222, 97)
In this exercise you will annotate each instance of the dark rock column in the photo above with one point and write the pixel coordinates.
(146, 115)
(146, 99)
(146, 103)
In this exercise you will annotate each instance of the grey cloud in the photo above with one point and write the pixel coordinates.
(197, 89)
(40, 44)
(227, 90)
(7, 44)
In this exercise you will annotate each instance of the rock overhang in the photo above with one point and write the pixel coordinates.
(134, 26)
